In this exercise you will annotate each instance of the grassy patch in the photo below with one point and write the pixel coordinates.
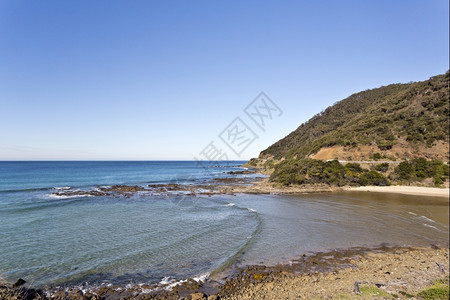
(259, 276)
(440, 290)
(370, 290)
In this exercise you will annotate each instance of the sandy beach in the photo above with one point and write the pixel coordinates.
(408, 190)
(264, 186)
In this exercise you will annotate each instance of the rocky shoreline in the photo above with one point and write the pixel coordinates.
(379, 273)
(371, 273)
(234, 183)
(220, 185)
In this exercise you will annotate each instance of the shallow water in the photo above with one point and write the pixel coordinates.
(294, 225)
(146, 237)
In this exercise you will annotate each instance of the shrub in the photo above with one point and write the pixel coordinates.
(376, 156)
(383, 167)
(404, 170)
(418, 169)
(373, 178)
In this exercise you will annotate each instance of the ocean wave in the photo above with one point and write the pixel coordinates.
(230, 204)
(166, 280)
(59, 188)
(430, 226)
(169, 283)
(55, 196)
(427, 219)
(248, 243)
(411, 213)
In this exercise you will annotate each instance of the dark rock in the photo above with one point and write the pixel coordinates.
(23, 293)
(19, 282)
(242, 172)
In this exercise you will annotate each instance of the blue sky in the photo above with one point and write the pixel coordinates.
(162, 79)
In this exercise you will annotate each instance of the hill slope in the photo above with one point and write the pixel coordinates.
(343, 144)
(399, 121)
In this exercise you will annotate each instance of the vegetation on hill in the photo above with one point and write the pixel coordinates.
(312, 171)
(417, 113)
(420, 169)
(413, 116)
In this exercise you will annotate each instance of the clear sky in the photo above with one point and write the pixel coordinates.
(162, 79)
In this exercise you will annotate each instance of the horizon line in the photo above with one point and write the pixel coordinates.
(82, 160)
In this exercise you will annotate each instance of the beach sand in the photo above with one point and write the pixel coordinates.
(408, 190)
(263, 186)
(398, 274)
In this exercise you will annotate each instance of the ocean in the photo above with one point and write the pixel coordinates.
(50, 238)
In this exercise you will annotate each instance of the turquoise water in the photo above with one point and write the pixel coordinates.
(49, 240)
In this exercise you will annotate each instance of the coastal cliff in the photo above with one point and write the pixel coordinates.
(392, 134)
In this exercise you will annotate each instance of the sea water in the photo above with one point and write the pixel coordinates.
(148, 238)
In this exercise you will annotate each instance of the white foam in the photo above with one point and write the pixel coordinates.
(230, 204)
(411, 213)
(200, 190)
(251, 209)
(147, 291)
(54, 196)
(62, 188)
(427, 219)
(174, 284)
(431, 226)
(201, 278)
(168, 283)
(165, 280)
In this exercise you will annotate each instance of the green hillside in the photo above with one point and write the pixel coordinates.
(404, 125)
(417, 113)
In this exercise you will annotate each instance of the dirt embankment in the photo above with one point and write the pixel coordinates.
(400, 151)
